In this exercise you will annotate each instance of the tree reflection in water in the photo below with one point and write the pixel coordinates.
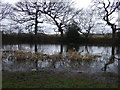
(111, 59)
(65, 64)
(61, 48)
(72, 46)
(36, 61)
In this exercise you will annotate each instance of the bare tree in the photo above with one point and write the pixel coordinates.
(33, 12)
(5, 10)
(108, 11)
(86, 20)
(28, 12)
(59, 13)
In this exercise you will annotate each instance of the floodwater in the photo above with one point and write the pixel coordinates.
(100, 64)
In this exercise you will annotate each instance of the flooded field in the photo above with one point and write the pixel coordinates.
(107, 60)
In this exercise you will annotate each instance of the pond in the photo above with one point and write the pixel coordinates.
(107, 62)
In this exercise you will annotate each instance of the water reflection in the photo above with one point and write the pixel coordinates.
(108, 61)
(72, 46)
(111, 59)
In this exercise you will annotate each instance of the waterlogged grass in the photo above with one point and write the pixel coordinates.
(43, 79)
(22, 55)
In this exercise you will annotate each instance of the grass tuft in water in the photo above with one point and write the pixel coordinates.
(22, 55)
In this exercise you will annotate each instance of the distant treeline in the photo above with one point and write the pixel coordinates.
(29, 38)
(54, 39)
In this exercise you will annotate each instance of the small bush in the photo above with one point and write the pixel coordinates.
(72, 34)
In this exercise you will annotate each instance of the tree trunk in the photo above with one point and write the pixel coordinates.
(113, 35)
(36, 29)
(36, 22)
(61, 34)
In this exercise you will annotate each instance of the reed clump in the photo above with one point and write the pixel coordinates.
(70, 55)
(74, 55)
(89, 56)
(56, 56)
(20, 55)
(35, 56)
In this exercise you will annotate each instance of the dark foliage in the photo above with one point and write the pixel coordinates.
(72, 35)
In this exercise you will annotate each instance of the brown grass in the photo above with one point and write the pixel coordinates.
(71, 55)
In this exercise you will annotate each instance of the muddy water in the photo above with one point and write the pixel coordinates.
(107, 62)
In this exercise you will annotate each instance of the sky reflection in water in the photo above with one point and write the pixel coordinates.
(101, 64)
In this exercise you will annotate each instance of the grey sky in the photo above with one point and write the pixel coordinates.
(78, 3)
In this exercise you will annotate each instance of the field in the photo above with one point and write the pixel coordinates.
(48, 79)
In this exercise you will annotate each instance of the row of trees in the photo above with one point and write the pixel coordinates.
(31, 14)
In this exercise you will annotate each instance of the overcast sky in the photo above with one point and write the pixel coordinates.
(79, 3)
